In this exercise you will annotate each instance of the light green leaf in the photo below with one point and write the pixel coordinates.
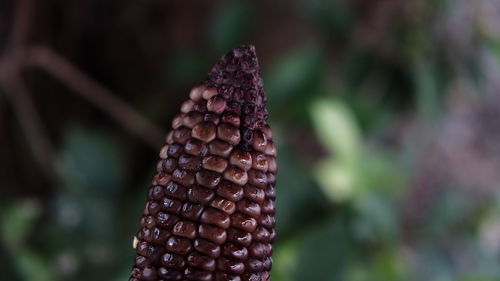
(337, 181)
(18, 221)
(336, 129)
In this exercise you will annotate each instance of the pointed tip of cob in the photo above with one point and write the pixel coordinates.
(237, 80)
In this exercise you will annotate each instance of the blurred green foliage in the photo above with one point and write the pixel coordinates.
(360, 112)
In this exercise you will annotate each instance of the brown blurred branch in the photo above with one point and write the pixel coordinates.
(95, 93)
(19, 57)
(30, 121)
(21, 24)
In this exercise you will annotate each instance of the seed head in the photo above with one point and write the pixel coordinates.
(210, 209)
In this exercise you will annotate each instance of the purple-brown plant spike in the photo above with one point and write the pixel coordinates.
(210, 210)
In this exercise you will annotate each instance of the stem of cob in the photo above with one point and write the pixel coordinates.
(210, 209)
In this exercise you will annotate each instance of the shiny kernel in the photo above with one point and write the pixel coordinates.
(204, 131)
(196, 93)
(181, 135)
(220, 148)
(212, 233)
(191, 211)
(209, 93)
(236, 175)
(216, 104)
(215, 217)
(198, 260)
(235, 251)
(230, 191)
(170, 274)
(243, 222)
(196, 274)
(223, 276)
(229, 266)
(195, 147)
(200, 195)
(249, 208)
(191, 119)
(241, 159)
(270, 149)
(259, 162)
(179, 245)
(231, 119)
(228, 133)
(207, 248)
(257, 178)
(207, 178)
(187, 106)
(185, 229)
(163, 152)
(259, 142)
(177, 121)
(173, 261)
(183, 177)
(224, 205)
(273, 167)
(189, 162)
(254, 193)
(214, 163)
(239, 236)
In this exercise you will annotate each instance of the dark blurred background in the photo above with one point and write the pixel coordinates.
(386, 115)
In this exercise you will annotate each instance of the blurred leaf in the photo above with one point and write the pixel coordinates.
(89, 217)
(94, 162)
(377, 221)
(337, 132)
(230, 25)
(331, 16)
(295, 194)
(337, 181)
(359, 65)
(386, 265)
(285, 260)
(18, 221)
(336, 129)
(428, 91)
(351, 169)
(186, 67)
(448, 209)
(324, 253)
(380, 171)
(33, 267)
(294, 79)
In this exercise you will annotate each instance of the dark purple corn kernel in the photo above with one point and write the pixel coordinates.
(185, 229)
(207, 248)
(220, 148)
(191, 119)
(210, 209)
(192, 211)
(212, 233)
(200, 195)
(199, 260)
(198, 275)
(174, 261)
(212, 117)
(195, 147)
(178, 245)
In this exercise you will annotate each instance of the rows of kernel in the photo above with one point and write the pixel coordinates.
(184, 175)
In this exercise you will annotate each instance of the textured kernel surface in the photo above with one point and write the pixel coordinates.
(210, 209)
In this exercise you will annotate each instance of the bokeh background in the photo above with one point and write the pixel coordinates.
(386, 115)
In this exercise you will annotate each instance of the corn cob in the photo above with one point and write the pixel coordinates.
(210, 210)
